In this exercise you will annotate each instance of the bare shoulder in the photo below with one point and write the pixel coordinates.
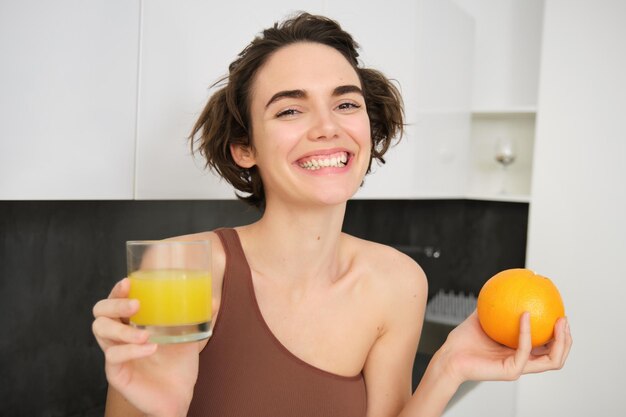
(397, 284)
(397, 294)
(388, 265)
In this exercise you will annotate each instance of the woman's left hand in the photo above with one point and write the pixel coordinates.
(471, 355)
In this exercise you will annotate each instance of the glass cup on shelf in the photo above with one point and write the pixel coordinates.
(172, 281)
(505, 156)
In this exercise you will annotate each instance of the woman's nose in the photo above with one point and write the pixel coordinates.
(323, 126)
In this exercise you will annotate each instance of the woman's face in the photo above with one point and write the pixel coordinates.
(311, 132)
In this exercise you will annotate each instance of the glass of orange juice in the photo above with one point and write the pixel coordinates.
(172, 281)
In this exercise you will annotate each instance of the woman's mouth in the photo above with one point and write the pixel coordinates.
(315, 162)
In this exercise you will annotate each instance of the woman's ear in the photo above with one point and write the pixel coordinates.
(243, 155)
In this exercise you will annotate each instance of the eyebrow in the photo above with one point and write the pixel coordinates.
(338, 91)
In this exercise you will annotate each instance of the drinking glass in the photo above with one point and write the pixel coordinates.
(505, 156)
(172, 281)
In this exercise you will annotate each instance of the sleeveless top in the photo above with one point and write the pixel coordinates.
(245, 371)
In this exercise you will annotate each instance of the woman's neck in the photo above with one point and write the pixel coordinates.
(300, 245)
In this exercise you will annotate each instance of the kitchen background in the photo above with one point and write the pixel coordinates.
(64, 256)
(97, 97)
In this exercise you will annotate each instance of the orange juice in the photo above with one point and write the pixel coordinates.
(171, 297)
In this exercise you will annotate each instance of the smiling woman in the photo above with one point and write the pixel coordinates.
(312, 112)
(308, 320)
(227, 119)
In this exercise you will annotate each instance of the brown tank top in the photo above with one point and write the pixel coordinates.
(246, 372)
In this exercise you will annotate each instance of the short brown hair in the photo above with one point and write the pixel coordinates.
(225, 120)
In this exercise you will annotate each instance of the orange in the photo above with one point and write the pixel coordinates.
(507, 295)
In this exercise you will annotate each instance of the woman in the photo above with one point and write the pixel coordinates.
(309, 321)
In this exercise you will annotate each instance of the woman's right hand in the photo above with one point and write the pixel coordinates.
(157, 380)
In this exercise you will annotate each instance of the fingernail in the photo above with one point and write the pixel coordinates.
(149, 347)
(133, 304)
(566, 325)
(141, 335)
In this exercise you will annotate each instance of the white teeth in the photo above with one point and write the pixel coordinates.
(335, 161)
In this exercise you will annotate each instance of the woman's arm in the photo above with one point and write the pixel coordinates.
(434, 392)
(469, 354)
(117, 405)
(158, 380)
(146, 379)
(401, 296)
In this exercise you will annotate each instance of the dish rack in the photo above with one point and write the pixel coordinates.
(450, 308)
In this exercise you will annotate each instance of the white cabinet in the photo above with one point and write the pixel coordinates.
(441, 53)
(388, 40)
(98, 97)
(426, 46)
(504, 97)
(186, 47)
(441, 123)
(67, 108)
(507, 44)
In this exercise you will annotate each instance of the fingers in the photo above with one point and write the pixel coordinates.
(567, 338)
(117, 357)
(119, 341)
(559, 349)
(542, 350)
(116, 308)
(111, 317)
(119, 354)
(524, 348)
(557, 352)
(120, 289)
(109, 332)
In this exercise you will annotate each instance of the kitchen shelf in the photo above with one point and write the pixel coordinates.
(510, 198)
(485, 175)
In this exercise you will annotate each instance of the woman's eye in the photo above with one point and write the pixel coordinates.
(348, 106)
(287, 112)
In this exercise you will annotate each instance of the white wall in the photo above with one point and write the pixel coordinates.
(68, 88)
(577, 232)
(505, 65)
